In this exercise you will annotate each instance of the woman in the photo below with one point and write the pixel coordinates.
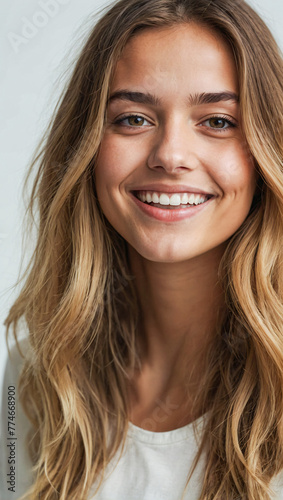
(154, 297)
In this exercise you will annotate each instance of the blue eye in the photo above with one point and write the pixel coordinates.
(135, 121)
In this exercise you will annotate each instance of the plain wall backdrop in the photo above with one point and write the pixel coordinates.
(40, 39)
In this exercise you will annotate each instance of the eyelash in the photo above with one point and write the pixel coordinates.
(215, 117)
(125, 117)
(231, 123)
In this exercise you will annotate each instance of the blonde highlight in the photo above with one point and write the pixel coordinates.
(79, 300)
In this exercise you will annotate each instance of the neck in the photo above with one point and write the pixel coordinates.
(180, 305)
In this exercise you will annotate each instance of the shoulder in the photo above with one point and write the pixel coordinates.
(277, 487)
(15, 463)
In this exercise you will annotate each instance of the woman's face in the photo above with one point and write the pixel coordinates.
(174, 176)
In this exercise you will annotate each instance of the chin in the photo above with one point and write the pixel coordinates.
(165, 254)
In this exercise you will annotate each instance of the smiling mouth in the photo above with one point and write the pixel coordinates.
(173, 201)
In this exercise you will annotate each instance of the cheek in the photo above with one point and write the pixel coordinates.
(234, 171)
(107, 173)
(115, 162)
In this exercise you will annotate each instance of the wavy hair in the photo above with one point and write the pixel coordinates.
(79, 300)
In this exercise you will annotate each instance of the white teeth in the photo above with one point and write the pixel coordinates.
(191, 199)
(184, 198)
(155, 198)
(164, 199)
(148, 197)
(174, 199)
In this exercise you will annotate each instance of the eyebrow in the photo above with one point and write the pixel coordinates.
(193, 99)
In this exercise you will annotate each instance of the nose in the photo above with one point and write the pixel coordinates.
(173, 148)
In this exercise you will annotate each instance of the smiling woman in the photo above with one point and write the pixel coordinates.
(154, 300)
(183, 137)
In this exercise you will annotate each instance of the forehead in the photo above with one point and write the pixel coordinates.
(185, 54)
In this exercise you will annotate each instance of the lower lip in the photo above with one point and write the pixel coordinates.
(169, 215)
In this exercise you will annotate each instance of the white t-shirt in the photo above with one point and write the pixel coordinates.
(153, 466)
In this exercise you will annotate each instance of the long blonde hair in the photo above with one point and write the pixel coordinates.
(79, 299)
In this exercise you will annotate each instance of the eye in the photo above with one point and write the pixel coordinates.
(133, 121)
(218, 123)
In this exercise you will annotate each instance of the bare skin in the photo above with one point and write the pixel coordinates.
(179, 310)
(174, 142)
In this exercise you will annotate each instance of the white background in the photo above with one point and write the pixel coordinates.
(30, 83)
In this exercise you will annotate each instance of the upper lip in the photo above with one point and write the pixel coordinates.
(165, 188)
